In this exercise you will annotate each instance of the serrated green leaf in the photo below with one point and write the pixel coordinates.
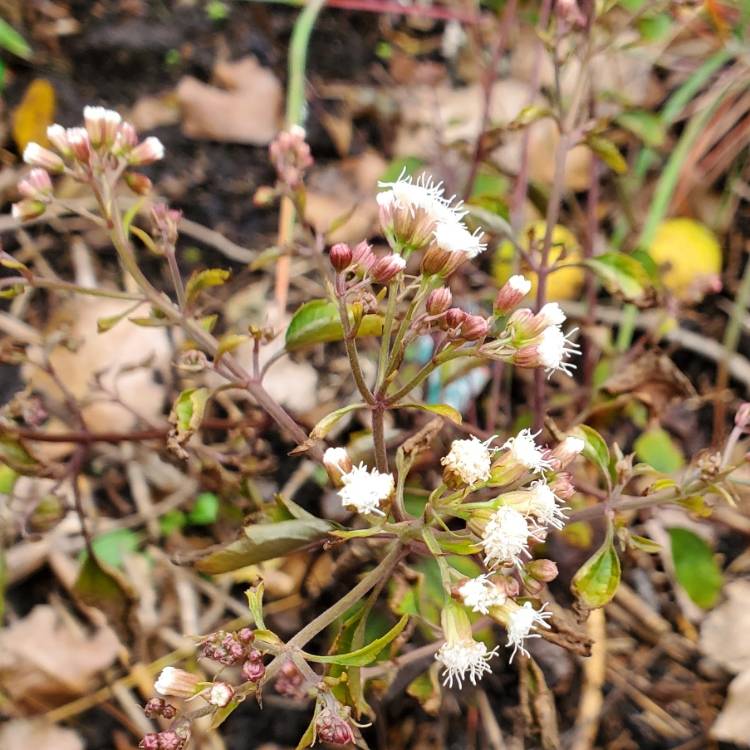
(365, 655)
(444, 410)
(318, 321)
(695, 567)
(596, 581)
(325, 425)
(261, 542)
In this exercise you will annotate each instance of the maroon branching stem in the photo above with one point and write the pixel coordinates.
(589, 351)
(488, 84)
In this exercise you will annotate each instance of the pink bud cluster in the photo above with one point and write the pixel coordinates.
(332, 727)
(290, 155)
(169, 740)
(361, 258)
(227, 648)
(105, 143)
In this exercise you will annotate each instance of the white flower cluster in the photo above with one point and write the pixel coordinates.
(365, 489)
(524, 450)
(521, 623)
(446, 217)
(462, 657)
(469, 460)
(479, 594)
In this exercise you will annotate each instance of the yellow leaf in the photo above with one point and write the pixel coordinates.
(34, 114)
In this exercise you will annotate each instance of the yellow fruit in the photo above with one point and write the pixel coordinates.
(564, 283)
(688, 254)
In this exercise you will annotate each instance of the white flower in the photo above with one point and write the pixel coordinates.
(37, 156)
(572, 445)
(520, 623)
(337, 457)
(480, 594)
(543, 505)
(470, 459)
(505, 538)
(221, 694)
(454, 237)
(554, 348)
(464, 657)
(524, 450)
(520, 284)
(552, 314)
(364, 489)
(423, 194)
(176, 682)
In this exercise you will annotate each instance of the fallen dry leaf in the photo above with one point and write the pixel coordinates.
(22, 734)
(47, 658)
(733, 723)
(35, 112)
(151, 112)
(247, 109)
(724, 631)
(125, 358)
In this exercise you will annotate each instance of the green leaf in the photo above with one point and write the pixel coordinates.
(318, 321)
(595, 448)
(695, 567)
(171, 521)
(12, 41)
(607, 152)
(187, 412)
(596, 581)
(645, 125)
(621, 274)
(112, 547)
(325, 425)
(426, 689)
(200, 280)
(657, 449)
(655, 27)
(529, 115)
(264, 541)
(228, 343)
(255, 604)
(7, 479)
(205, 510)
(13, 453)
(444, 410)
(106, 324)
(644, 544)
(222, 714)
(365, 655)
(101, 586)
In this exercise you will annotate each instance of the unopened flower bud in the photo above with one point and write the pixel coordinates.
(159, 707)
(149, 742)
(474, 328)
(562, 485)
(57, 136)
(27, 209)
(165, 220)
(337, 463)
(566, 451)
(220, 694)
(387, 267)
(138, 183)
(341, 256)
(101, 125)
(246, 635)
(254, 668)
(542, 570)
(363, 256)
(37, 185)
(177, 683)
(332, 728)
(511, 294)
(454, 317)
(146, 152)
(80, 144)
(126, 139)
(291, 156)
(38, 156)
(439, 301)
(171, 740)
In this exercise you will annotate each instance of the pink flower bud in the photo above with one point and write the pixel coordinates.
(454, 317)
(387, 267)
(439, 262)
(101, 125)
(26, 210)
(341, 256)
(363, 256)
(565, 452)
(149, 742)
(57, 136)
(126, 139)
(511, 294)
(220, 694)
(80, 144)
(177, 683)
(253, 669)
(146, 152)
(37, 186)
(37, 156)
(474, 328)
(138, 183)
(159, 707)
(562, 486)
(439, 301)
(165, 221)
(332, 728)
(542, 570)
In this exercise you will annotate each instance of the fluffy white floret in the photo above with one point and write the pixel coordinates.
(464, 658)
(364, 489)
(521, 622)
